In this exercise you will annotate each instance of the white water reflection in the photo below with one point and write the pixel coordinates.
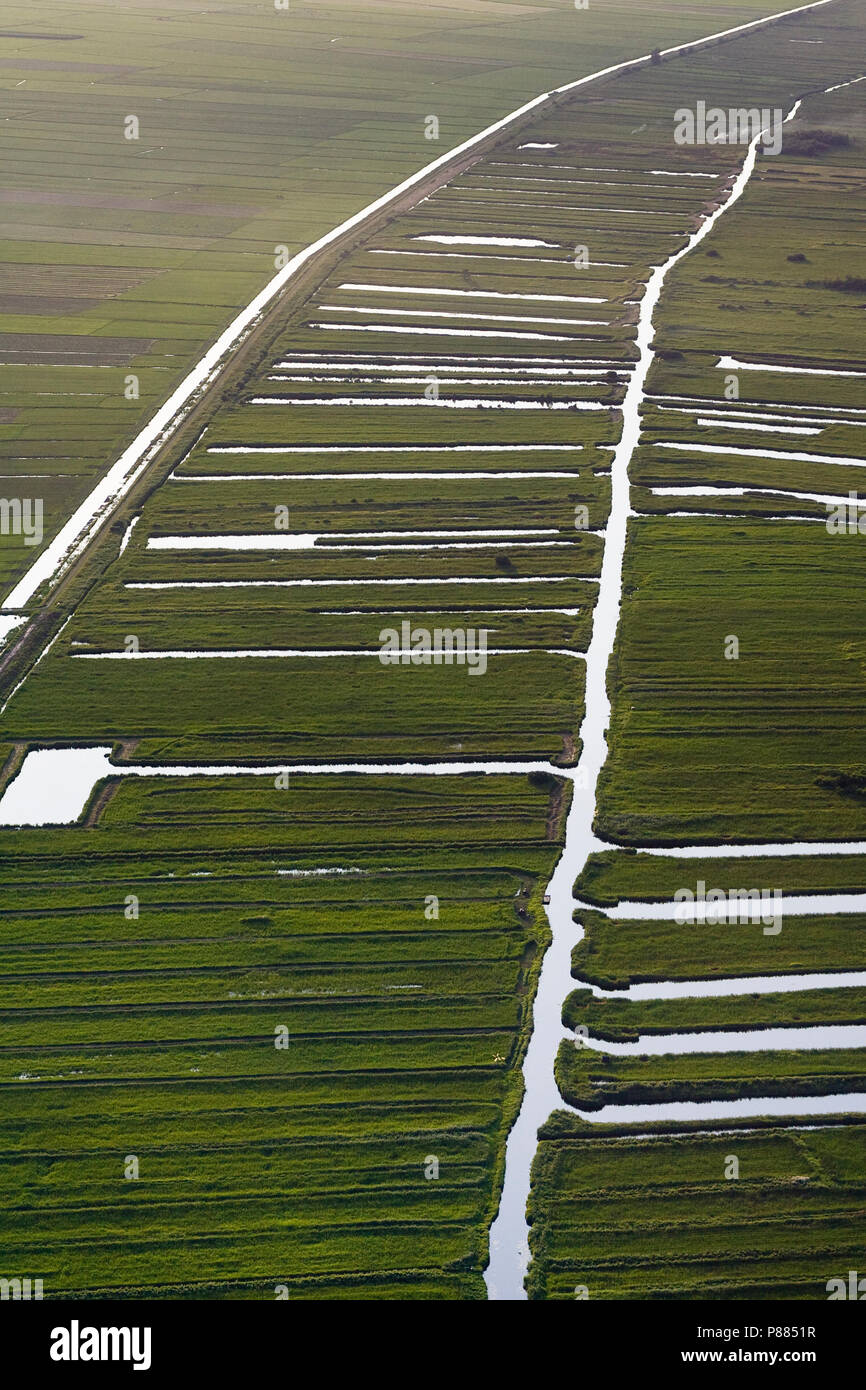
(790, 408)
(488, 258)
(624, 185)
(444, 365)
(785, 455)
(440, 403)
(398, 378)
(795, 848)
(8, 625)
(454, 315)
(352, 583)
(808, 1039)
(853, 1103)
(355, 541)
(393, 448)
(127, 535)
(440, 291)
(746, 424)
(408, 330)
(735, 364)
(805, 417)
(304, 653)
(829, 499)
(449, 240)
(739, 984)
(455, 476)
(53, 785)
(691, 913)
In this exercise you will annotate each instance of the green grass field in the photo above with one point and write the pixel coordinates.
(155, 1036)
(617, 1215)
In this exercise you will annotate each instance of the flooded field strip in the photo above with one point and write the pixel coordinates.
(127, 535)
(733, 364)
(392, 448)
(351, 583)
(501, 180)
(374, 310)
(807, 414)
(807, 1038)
(521, 367)
(795, 848)
(801, 424)
(455, 403)
(724, 988)
(853, 1102)
(439, 292)
(787, 457)
(327, 542)
(474, 256)
(829, 499)
(756, 427)
(410, 330)
(457, 475)
(423, 612)
(791, 410)
(461, 201)
(738, 516)
(792, 905)
(590, 378)
(304, 653)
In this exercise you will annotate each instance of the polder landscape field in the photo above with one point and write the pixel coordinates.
(433, 793)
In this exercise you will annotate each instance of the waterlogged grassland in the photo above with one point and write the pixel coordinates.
(629, 1216)
(155, 1036)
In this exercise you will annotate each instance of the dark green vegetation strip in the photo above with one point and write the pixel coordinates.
(663, 1218)
(590, 1079)
(614, 954)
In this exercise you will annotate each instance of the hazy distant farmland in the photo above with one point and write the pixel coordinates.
(258, 130)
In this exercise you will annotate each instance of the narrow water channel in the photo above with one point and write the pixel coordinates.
(509, 1234)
